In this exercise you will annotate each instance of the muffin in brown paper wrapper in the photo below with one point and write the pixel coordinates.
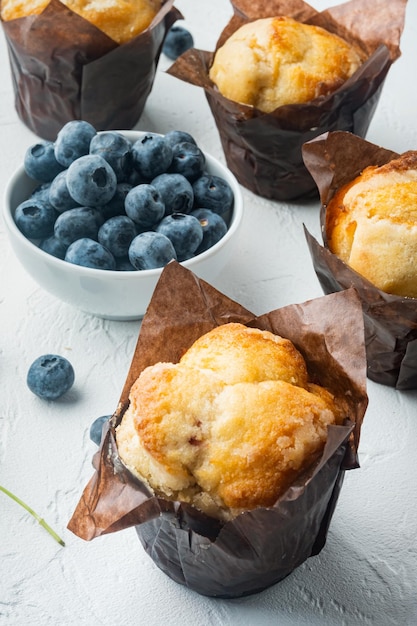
(64, 68)
(335, 159)
(263, 150)
(259, 547)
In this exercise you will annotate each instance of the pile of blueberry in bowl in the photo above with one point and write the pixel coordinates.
(95, 216)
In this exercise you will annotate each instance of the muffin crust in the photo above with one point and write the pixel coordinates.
(272, 62)
(230, 426)
(121, 20)
(371, 224)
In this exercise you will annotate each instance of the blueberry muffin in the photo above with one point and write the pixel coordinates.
(274, 61)
(371, 224)
(121, 20)
(229, 427)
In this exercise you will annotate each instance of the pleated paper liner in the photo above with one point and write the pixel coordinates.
(260, 547)
(390, 321)
(263, 150)
(64, 68)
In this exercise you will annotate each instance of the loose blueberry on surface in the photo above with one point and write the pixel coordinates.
(91, 181)
(96, 428)
(73, 141)
(90, 253)
(214, 228)
(173, 137)
(152, 155)
(77, 223)
(214, 193)
(40, 162)
(184, 231)
(59, 196)
(176, 192)
(52, 245)
(177, 41)
(151, 250)
(50, 376)
(188, 160)
(115, 148)
(144, 205)
(35, 219)
(116, 234)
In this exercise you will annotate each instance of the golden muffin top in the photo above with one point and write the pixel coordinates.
(121, 20)
(371, 224)
(230, 426)
(275, 61)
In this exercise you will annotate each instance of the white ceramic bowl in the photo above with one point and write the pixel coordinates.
(115, 295)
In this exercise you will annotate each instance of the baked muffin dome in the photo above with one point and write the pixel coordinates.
(121, 20)
(371, 224)
(230, 426)
(275, 61)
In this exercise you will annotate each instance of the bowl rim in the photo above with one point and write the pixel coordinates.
(19, 174)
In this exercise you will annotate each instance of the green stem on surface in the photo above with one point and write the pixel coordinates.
(35, 515)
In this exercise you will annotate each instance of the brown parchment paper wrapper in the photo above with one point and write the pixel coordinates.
(264, 150)
(260, 547)
(390, 321)
(64, 68)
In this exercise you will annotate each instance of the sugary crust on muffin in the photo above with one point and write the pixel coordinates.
(263, 435)
(240, 354)
(121, 20)
(271, 62)
(223, 430)
(13, 9)
(371, 224)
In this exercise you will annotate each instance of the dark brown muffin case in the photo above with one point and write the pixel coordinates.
(260, 547)
(333, 160)
(64, 68)
(264, 150)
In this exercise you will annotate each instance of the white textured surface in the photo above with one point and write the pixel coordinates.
(367, 572)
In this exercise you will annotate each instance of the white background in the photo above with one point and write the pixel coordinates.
(367, 572)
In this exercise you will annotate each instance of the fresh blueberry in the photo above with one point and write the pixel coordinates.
(177, 41)
(116, 234)
(90, 253)
(116, 206)
(136, 178)
(188, 160)
(53, 245)
(59, 196)
(176, 192)
(173, 137)
(40, 162)
(124, 265)
(184, 231)
(50, 376)
(151, 250)
(76, 224)
(41, 193)
(96, 428)
(144, 205)
(73, 141)
(115, 148)
(35, 219)
(214, 193)
(152, 155)
(91, 181)
(213, 225)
